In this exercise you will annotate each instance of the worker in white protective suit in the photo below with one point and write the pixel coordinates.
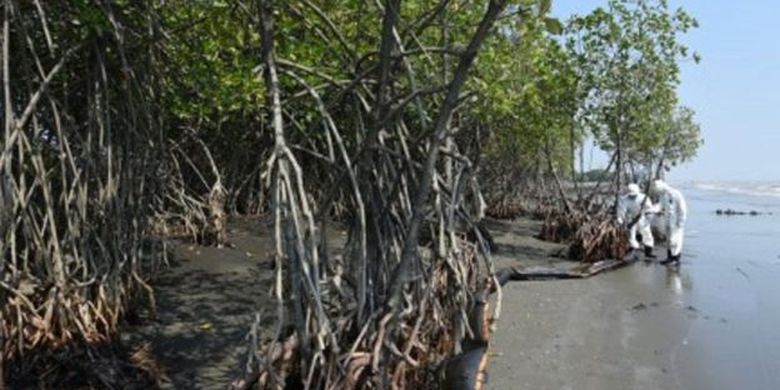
(675, 211)
(633, 208)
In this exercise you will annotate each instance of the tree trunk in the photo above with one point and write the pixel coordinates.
(403, 272)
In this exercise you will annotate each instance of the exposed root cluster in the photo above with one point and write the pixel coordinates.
(590, 237)
(599, 240)
(193, 212)
(96, 366)
(507, 208)
(425, 336)
(78, 170)
(395, 311)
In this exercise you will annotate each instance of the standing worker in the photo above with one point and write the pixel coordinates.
(675, 212)
(632, 208)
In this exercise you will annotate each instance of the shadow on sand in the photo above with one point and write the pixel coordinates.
(206, 304)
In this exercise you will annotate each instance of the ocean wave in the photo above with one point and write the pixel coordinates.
(771, 189)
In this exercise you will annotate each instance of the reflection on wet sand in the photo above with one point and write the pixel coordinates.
(711, 323)
(678, 281)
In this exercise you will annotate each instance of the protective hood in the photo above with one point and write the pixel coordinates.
(660, 186)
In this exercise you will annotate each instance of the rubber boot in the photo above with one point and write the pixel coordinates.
(669, 258)
(674, 262)
(649, 252)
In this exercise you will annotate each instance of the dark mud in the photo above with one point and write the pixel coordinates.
(206, 304)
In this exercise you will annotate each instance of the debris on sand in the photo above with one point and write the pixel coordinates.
(582, 271)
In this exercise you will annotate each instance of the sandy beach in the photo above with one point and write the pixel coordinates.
(620, 330)
(710, 325)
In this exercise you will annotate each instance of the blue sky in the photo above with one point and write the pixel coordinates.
(735, 89)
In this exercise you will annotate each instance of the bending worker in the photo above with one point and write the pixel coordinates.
(675, 212)
(631, 211)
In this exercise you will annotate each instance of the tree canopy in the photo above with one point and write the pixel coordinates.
(127, 123)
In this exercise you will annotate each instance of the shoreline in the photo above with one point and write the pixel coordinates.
(616, 330)
(208, 297)
(202, 312)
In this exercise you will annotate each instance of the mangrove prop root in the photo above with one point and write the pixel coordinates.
(80, 177)
(398, 309)
(590, 237)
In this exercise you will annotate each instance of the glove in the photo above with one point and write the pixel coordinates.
(620, 221)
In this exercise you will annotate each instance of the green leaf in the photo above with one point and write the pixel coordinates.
(545, 7)
(553, 26)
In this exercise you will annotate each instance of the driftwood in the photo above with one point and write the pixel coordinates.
(549, 273)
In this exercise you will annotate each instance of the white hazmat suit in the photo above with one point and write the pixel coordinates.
(633, 205)
(675, 212)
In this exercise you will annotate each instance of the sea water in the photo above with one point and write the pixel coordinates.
(730, 279)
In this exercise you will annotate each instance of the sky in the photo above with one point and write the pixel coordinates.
(735, 89)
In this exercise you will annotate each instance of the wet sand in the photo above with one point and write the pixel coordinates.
(713, 324)
(619, 330)
(207, 303)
